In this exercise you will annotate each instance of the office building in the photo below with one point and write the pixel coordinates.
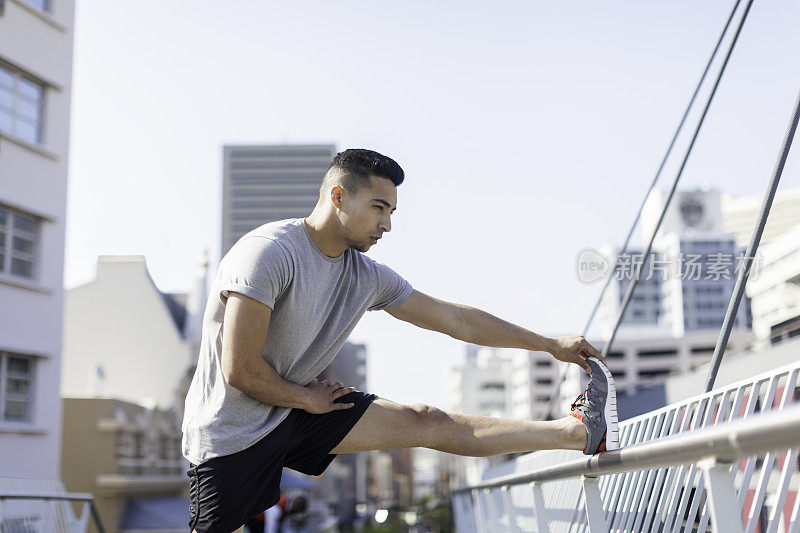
(687, 281)
(261, 184)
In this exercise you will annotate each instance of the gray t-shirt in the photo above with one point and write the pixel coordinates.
(316, 302)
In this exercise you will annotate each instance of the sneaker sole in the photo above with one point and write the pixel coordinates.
(610, 410)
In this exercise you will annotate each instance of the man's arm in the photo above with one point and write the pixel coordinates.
(475, 326)
(244, 333)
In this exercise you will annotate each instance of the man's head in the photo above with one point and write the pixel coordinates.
(360, 190)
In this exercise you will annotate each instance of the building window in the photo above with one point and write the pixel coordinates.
(16, 387)
(21, 105)
(657, 353)
(19, 238)
(41, 5)
(644, 374)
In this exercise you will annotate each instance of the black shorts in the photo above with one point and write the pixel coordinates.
(227, 491)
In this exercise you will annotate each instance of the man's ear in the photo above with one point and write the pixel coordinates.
(336, 196)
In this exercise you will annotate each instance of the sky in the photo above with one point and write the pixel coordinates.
(528, 131)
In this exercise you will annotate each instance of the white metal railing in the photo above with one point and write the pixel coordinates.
(741, 441)
(42, 505)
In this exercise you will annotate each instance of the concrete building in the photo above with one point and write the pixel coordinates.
(380, 488)
(482, 385)
(642, 359)
(125, 454)
(737, 365)
(262, 184)
(775, 292)
(774, 286)
(533, 380)
(403, 476)
(344, 484)
(739, 214)
(119, 328)
(430, 474)
(36, 42)
(686, 283)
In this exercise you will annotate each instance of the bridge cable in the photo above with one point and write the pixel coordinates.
(612, 271)
(752, 248)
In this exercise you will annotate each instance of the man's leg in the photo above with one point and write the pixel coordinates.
(386, 425)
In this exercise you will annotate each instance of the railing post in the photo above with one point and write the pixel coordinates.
(794, 525)
(725, 513)
(594, 505)
(491, 511)
(539, 510)
(477, 510)
(508, 504)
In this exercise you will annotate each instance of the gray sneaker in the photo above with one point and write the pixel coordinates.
(596, 407)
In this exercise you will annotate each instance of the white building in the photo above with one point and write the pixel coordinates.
(125, 339)
(483, 385)
(774, 286)
(775, 292)
(739, 214)
(36, 42)
(533, 379)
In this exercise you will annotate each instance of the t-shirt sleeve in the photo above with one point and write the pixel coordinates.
(391, 289)
(256, 267)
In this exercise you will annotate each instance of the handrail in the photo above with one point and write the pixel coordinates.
(74, 496)
(691, 477)
(726, 442)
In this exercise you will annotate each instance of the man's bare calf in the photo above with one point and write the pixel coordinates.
(387, 424)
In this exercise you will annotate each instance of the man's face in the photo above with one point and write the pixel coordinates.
(366, 216)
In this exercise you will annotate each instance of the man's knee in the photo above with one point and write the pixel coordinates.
(429, 420)
(428, 413)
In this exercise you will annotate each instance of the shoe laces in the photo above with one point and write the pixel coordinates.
(583, 399)
(579, 401)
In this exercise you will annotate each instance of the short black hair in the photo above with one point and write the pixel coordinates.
(356, 165)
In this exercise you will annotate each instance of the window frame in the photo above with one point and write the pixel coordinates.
(31, 393)
(16, 95)
(10, 235)
(46, 7)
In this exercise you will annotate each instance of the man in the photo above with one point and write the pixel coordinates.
(285, 298)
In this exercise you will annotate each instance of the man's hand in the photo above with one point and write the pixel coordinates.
(575, 350)
(321, 396)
